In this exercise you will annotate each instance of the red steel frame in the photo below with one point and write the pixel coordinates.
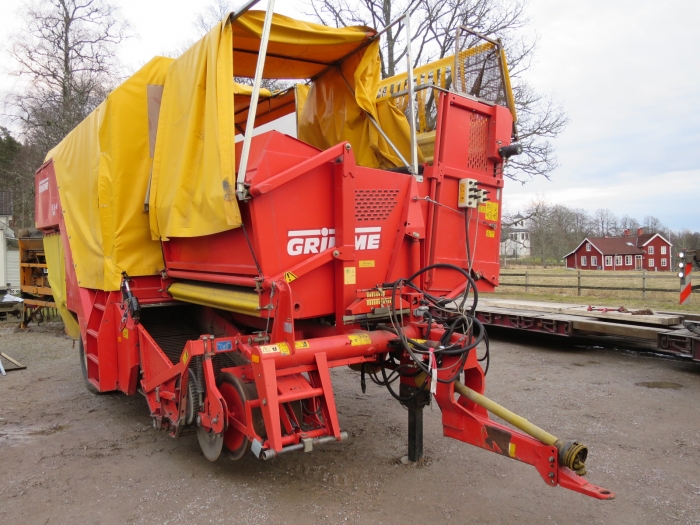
(293, 188)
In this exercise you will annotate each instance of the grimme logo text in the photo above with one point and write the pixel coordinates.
(315, 241)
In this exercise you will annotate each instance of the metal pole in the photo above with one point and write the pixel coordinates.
(243, 9)
(644, 284)
(252, 109)
(411, 101)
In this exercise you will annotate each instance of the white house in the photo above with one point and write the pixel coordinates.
(515, 241)
(9, 253)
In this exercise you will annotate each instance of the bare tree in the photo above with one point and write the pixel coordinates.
(211, 15)
(605, 223)
(433, 30)
(628, 223)
(653, 225)
(66, 53)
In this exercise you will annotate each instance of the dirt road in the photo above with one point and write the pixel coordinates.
(67, 456)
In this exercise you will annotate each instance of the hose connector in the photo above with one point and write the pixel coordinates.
(572, 454)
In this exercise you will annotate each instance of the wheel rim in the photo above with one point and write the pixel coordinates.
(235, 441)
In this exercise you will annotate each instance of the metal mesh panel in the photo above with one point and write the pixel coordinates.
(478, 141)
(478, 73)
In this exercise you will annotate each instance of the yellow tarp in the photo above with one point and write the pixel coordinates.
(55, 260)
(102, 170)
(296, 49)
(337, 106)
(193, 185)
(103, 167)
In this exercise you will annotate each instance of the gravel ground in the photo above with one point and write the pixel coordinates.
(67, 456)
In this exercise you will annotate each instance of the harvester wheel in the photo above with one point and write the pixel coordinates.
(83, 368)
(235, 392)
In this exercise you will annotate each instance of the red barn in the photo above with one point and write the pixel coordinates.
(644, 251)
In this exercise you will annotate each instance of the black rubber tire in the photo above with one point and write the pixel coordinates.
(83, 368)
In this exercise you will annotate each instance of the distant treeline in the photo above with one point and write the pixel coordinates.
(556, 230)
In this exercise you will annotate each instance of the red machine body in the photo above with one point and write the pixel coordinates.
(238, 333)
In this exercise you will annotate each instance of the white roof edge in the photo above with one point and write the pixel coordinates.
(658, 235)
(576, 249)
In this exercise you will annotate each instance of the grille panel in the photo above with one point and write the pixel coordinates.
(478, 140)
(374, 205)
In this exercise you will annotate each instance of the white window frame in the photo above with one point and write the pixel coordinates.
(588, 246)
(663, 251)
(594, 261)
(584, 260)
(608, 260)
(628, 260)
(618, 260)
(650, 263)
(663, 261)
(650, 250)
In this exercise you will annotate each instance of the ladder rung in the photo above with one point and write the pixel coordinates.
(92, 332)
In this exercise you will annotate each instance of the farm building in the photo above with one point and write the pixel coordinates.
(644, 251)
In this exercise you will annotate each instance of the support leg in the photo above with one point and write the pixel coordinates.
(415, 433)
(420, 398)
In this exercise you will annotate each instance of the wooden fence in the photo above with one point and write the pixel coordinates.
(643, 276)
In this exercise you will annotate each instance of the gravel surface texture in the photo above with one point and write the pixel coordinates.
(68, 456)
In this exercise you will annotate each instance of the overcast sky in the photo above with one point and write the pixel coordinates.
(627, 73)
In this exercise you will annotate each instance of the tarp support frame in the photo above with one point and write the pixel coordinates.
(412, 102)
(243, 166)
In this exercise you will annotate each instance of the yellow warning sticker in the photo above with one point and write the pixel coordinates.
(491, 213)
(125, 333)
(289, 277)
(511, 449)
(284, 348)
(359, 339)
(302, 344)
(270, 349)
(185, 356)
(462, 198)
(482, 209)
(350, 275)
(490, 233)
(366, 264)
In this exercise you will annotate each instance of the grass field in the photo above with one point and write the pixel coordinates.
(560, 285)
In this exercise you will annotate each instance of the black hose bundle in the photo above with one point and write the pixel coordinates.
(454, 319)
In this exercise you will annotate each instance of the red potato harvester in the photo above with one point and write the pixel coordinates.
(224, 282)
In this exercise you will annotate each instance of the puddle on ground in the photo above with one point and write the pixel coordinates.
(11, 434)
(660, 384)
(586, 363)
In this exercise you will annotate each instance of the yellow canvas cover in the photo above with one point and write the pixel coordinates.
(193, 183)
(104, 167)
(55, 260)
(337, 106)
(102, 170)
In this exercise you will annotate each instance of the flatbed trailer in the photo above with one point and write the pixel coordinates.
(665, 332)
